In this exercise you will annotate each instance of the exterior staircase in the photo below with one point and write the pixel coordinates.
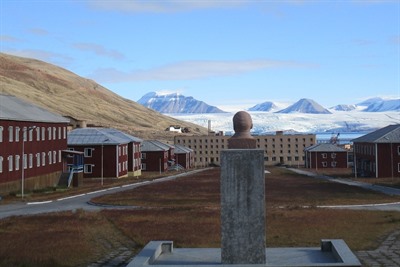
(64, 179)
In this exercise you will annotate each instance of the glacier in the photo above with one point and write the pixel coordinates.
(268, 122)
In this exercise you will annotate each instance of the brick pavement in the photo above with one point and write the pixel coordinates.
(386, 255)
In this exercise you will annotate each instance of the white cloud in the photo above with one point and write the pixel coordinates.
(165, 6)
(55, 58)
(8, 38)
(38, 31)
(395, 40)
(99, 50)
(192, 70)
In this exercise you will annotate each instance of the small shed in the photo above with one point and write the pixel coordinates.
(184, 156)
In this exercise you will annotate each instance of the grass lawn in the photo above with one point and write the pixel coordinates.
(187, 211)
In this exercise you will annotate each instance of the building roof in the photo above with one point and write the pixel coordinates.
(154, 145)
(99, 136)
(179, 149)
(388, 134)
(325, 147)
(16, 109)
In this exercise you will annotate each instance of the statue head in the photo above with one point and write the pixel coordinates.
(242, 123)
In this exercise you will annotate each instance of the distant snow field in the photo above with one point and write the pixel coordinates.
(266, 122)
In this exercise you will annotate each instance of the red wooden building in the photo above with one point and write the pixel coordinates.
(156, 156)
(31, 143)
(184, 156)
(321, 156)
(107, 152)
(377, 154)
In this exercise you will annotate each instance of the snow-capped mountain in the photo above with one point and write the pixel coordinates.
(176, 103)
(370, 101)
(266, 106)
(344, 107)
(305, 105)
(380, 105)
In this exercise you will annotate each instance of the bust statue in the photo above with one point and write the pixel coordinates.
(242, 124)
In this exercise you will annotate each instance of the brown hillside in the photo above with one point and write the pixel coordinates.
(68, 94)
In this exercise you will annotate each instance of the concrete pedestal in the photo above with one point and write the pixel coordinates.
(242, 206)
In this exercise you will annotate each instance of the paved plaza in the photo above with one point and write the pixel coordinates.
(386, 255)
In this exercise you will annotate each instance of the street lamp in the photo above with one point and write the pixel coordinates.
(24, 131)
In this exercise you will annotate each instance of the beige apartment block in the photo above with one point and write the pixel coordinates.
(279, 148)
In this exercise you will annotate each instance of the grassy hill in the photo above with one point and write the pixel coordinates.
(63, 92)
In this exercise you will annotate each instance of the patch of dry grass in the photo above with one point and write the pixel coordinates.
(187, 211)
(187, 227)
(57, 239)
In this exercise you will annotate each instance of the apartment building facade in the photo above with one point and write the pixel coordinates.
(31, 143)
(377, 154)
(279, 148)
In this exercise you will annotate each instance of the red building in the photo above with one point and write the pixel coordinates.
(377, 154)
(156, 156)
(184, 156)
(322, 156)
(31, 143)
(107, 152)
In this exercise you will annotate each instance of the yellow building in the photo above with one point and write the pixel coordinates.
(279, 148)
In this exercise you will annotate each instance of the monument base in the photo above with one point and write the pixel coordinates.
(333, 252)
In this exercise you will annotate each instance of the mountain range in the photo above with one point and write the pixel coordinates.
(175, 103)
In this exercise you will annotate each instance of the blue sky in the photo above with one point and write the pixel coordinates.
(231, 54)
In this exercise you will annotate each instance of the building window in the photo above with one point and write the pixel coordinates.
(398, 165)
(25, 161)
(54, 133)
(324, 156)
(43, 133)
(333, 164)
(143, 156)
(324, 164)
(65, 132)
(37, 159)
(30, 134)
(88, 152)
(398, 148)
(10, 133)
(49, 133)
(333, 155)
(43, 158)
(17, 130)
(49, 153)
(54, 156)
(1, 164)
(17, 162)
(88, 168)
(30, 161)
(1, 134)
(10, 163)
(59, 133)
(144, 166)
(37, 133)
